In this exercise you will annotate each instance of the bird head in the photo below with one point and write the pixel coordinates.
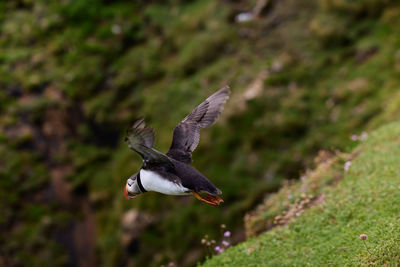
(132, 188)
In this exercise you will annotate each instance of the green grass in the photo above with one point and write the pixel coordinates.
(97, 65)
(365, 201)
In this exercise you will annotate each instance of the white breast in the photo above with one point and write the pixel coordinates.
(151, 181)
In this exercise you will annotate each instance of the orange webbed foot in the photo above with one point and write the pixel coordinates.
(209, 199)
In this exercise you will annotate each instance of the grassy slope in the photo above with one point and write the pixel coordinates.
(64, 57)
(365, 202)
(341, 89)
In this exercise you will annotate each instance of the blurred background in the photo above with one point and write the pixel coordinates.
(305, 76)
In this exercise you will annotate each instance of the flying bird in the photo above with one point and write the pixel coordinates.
(171, 173)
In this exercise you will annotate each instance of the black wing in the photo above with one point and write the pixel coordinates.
(141, 139)
(187, 132)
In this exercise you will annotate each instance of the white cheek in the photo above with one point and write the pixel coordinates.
(129, 187)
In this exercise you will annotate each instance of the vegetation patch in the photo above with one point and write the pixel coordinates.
(295, 197)
(357, 224)
(74, 74)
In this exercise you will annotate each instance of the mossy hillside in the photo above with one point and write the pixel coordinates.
(93, 60)
(294, 197)
(365, 201)
(98, 65)
(329, 101)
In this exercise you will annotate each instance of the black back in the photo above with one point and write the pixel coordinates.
(193, 179)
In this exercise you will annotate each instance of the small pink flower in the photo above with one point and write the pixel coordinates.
(225, 243)
(347, 166)
(218, 249)
(227, 234)
(363, 237)
(363, 136)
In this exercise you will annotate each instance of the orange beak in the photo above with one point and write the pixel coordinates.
(126, 193)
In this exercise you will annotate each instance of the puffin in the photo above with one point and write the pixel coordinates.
(171, 173)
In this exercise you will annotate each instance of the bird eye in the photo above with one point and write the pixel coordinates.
(130, 182)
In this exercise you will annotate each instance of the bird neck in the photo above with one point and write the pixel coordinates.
(139, 182)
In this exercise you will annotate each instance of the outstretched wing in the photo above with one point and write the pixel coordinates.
(187, 133)
(141, 139)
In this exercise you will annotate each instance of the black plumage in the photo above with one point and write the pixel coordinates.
(174, 166)
(194, 180)
(187, 132)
